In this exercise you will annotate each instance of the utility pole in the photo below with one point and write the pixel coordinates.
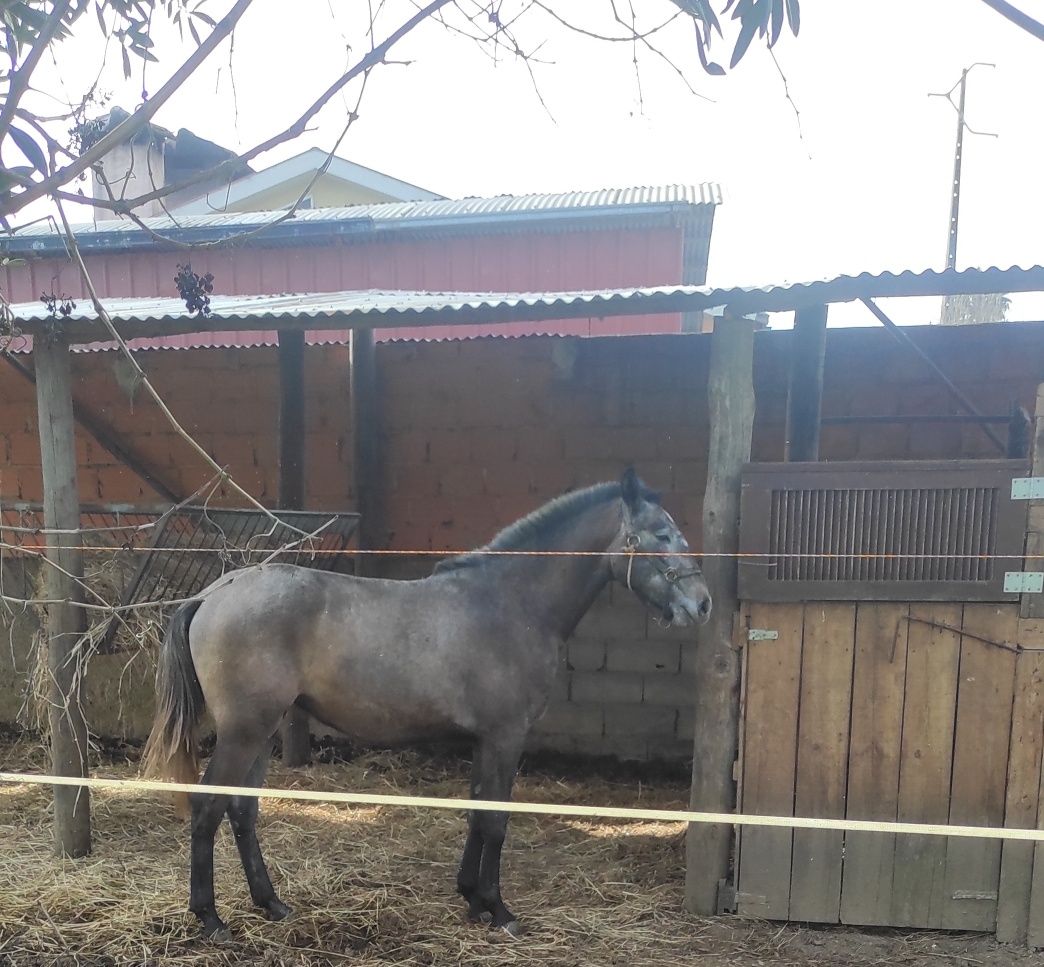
(955, 192)
(962, 309)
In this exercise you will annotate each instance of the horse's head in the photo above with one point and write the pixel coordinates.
(651, 557)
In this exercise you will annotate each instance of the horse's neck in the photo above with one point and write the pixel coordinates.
(560, 588)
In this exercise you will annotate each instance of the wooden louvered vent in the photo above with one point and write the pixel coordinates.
(910, 531)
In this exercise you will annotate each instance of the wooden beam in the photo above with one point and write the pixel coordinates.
(805, 392)
(66, 622)
(962, 401)
(297, 749)
(366, 459)
(717, 666)
(108, 439)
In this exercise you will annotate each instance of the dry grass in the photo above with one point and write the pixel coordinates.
(374, 886)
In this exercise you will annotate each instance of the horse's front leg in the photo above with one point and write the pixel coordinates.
(468, 874)
(496, 762)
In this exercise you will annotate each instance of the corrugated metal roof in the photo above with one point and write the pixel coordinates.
(338, 311)
(389, 216)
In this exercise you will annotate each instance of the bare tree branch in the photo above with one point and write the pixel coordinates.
(136, 122)
(114, 334)
(372, 59)
(1017, 17)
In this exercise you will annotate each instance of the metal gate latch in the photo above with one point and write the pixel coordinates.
(761, 634)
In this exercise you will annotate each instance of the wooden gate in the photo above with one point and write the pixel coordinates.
(894, 680)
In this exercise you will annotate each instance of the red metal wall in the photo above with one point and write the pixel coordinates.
(520, 262)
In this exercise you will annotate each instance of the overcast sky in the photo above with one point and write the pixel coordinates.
(864, 185)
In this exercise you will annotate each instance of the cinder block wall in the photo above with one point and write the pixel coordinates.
(477, 433)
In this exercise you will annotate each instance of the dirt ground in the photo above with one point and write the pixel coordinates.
(374, 886)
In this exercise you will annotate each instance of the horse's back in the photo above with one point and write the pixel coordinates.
(382, 661)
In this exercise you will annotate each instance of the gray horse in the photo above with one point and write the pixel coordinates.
(470, 651)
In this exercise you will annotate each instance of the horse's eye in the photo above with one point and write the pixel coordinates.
(663, 537)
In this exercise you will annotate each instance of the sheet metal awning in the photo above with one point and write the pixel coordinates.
(339, 311)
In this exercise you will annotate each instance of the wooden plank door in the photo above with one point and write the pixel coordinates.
(822, 759)
(772, 689)
(878, 686)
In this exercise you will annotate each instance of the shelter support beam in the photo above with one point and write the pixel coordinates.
(962, 401)
(717, 695)
(805, 391)
(109, 440)
(366, 457)
(297, 750)
(66, 623)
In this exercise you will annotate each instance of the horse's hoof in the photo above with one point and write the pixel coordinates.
(482, 917)
(513, 929)
(218, 935)
(276, 910)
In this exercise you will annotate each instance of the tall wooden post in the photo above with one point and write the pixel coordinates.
(297, 749)
(805, 392)
(66, 622)
(717, 665)
(365, 445)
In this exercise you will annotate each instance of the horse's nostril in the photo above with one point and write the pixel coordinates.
(705, 606)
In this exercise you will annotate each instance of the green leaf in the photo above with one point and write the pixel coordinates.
(32, 151)
(144, 54)
(709, 66)
(777, 21)
(126, 62)
(206, 18)
(750, 27)
(794, 15)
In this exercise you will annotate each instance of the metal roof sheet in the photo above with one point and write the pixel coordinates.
(338, 311)
(391, 215)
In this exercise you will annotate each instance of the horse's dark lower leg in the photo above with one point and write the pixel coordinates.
(228, 766)
(497, 762)
(468, 873)
(242, 816)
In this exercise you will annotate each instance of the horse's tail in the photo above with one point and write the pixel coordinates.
(171, 752)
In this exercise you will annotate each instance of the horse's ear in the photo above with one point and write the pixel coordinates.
(631, 490)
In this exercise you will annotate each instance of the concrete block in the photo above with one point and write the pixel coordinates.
(643, 656)
(607, 688)
(640, 720)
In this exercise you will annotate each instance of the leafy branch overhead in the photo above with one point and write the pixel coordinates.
(761, 18)
(43, 153)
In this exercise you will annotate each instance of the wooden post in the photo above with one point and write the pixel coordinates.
(717, 664)
(365, 445)
(297, 748)
(66, 622)
(805, 392)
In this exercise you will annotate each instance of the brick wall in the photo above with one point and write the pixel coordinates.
(477, 433)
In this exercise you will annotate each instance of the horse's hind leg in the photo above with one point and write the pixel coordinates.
(229, 766)
(242, 816)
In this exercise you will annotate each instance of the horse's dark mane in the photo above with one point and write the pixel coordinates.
(537, 527)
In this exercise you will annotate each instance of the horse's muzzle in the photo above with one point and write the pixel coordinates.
(684, 612)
